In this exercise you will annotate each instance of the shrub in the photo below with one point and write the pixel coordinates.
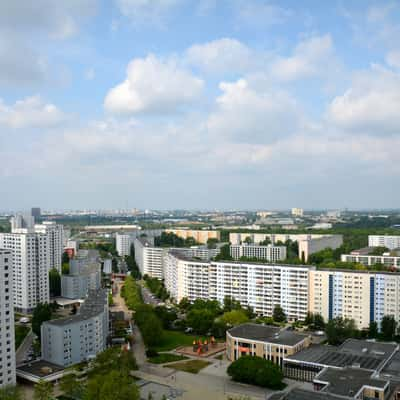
(256, 371)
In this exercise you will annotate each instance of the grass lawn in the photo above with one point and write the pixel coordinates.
(192, 366)
(172, 339)
(20, 333)
(166, 357)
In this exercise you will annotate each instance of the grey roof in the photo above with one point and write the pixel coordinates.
(348, 381)
(368, 355)
(392, 368)
(93, 306)
(266, 333)
(302, 394)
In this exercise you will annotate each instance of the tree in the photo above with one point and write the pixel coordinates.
(184, 304)
(319, 323)
(388, 327)
(113, 385)
(224, 253)
(11, 392)
(338, 330)
(41, 313)
(65, 258)
(257, 371)
(231, 303)
(43, 390)
(266, 241)
(201, 320)
(71, 386)
(212, 243)
(248, 240)
(65, 268)
(166, 316)
(278, 314)
(54, 283)
(373, 330)
(234, 317)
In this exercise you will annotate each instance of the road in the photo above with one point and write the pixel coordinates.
(147, 296)
(138, 347)
(22, 353)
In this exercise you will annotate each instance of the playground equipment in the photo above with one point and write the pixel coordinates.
(200, 347)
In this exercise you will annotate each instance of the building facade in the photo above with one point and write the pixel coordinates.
(31, 266)
(56, 241)
(269, 253)
(259, 285)
(308, 243)
(71, 340)
(149, 259)
(297, 212)
(200, 236)
(269, 342)
(363, 296)
(370, 260)
(84, 275)
(391, 242)
(7, 341)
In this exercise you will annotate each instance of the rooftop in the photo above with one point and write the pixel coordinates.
(93, 305)
(365, 354)
(348, 381)
(267, 333)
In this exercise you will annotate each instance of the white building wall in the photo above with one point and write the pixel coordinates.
(268, 253)
(7, 341)
(31, 266)
(391, 242)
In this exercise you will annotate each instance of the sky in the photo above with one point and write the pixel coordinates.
(227, 104)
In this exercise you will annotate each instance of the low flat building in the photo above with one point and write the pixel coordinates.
(269, 342)
(352, 383)
(269, 253)
(308, 363)
(369, 260)
(80, 337)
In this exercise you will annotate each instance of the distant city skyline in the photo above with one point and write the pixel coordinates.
(241, 104)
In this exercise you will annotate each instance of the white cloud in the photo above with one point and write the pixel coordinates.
(222, 55)
(311, 57)
(153, 85)
(59, 18)
(31, 112)
(247, 116)
(393, 58)
(144, 12)
(371, 105)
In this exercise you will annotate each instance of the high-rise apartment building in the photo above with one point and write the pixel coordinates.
(363, 296)
(149, 259)
(31, 266)
(80, 337)
(391, 242)
(7, 341)
(55, 233)
(261, 286)
(36, 212)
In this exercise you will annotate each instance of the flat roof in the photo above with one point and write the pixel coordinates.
(267, 333)
(92, 306)
(40, 368)
(348, 381)
(368, 355)
(302, 394)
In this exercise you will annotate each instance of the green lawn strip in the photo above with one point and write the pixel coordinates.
(166, 358)
(191, 366)
(20, 333)
(170, 340)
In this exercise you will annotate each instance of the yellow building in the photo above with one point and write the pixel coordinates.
(200, 236)
(269, 342)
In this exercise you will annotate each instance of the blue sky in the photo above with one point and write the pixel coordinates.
(199, 104)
